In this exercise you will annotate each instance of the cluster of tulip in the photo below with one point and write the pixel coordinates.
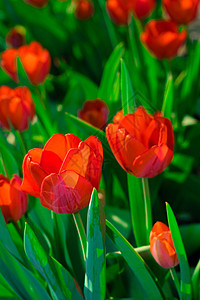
(64, 173)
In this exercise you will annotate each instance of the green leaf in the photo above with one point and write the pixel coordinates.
(196, 282)
(185, 288)
(59, 279)
(95, 280)
(127, 94)
(19, 278)
(137, 208)
(110, 74)
(168, 97)
(136, 263)
(23, 78)
(8, 159)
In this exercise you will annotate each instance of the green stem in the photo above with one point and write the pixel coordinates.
(81, 232)
(22, 143)
(18, 229)
(175, 280)
(147, 206)
(4, 167)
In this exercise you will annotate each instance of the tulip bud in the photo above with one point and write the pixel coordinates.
(84, 9)
(163, 38)
(95, 112)
(16, 37)
(16, 107)
(162, 246)
(181, 11)
(13, 201)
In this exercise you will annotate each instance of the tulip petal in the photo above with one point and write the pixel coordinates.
(84, 162)
(96, 146)
(67, 192)
(50, 162)
(137, 123)
(170, 132)
(152, 162)
(60, 144)
(4, 191)
(28, 184)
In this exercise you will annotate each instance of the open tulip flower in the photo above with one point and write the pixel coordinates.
(162, 246)
(163, 38)
(142, 144)
(37, 3)
(13, 201)
(35, 60)
(16, 107)
(181, 11)
(64, 173)
(84, 9)
(95, 112)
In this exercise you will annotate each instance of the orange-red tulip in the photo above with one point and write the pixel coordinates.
(142, 144)
(181, 11)
(13, 201)
(162, 246)
(84, 9)
(16, 37)
(16, 107)
(95, 112)
(163, 38)
(36, 62)
(120, 10)
(37, 3)
(64, 173)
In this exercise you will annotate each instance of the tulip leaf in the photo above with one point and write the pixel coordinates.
(109, 75)
(196, 282)
(6, 239)
(8, 160)
(127, 94)
(185, 287)
(95, 279)
(62, 284)
(136, 263)
(168, 97)
(19, 278)
(23, 78)
(137, 208)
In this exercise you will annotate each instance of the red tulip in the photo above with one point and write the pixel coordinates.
(13, 201)
(84, 9)
(35, 60)
(16, 107)
(64, 177)
(37, 3)
(142, 144)
(120, 10)
(143, 8)
(162, 246)
(181, 11)
(16, 37)
(94, 112)
(163, 39)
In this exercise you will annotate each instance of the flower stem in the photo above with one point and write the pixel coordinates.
(81, 232)
(147, 205)
(175, 280)
(21, 142)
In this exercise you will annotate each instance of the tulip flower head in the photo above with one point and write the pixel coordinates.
(121, 10)
(84, 9)
(64, 173)
(37, 3)
(181, 11)
(16, 107)
(16, 37)
(163, 38)
(35, 60)
(13, 201)
(162, 246)
(142, 144)
(95, 112)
